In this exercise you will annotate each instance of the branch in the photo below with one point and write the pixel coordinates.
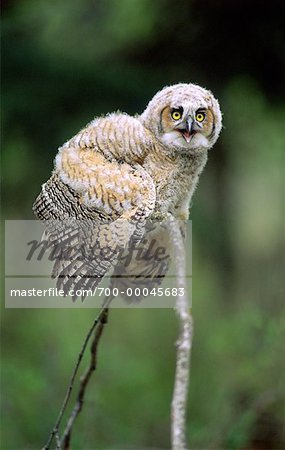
(184, 344)
(57, 440)
(66, 439)
(54, 433)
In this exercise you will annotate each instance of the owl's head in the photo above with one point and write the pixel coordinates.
(184, 117)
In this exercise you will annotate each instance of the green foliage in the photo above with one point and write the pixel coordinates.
(66, 62)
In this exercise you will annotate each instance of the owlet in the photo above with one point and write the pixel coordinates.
(119, 174)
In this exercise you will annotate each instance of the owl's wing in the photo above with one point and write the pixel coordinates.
(101, 205)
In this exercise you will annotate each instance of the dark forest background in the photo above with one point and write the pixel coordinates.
(66, 62)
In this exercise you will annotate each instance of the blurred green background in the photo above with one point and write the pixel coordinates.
(66, 62)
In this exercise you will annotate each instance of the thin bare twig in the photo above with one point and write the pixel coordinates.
(184, 344)
(66, 439)
(55, 429)
(57, 440)
(179, 400)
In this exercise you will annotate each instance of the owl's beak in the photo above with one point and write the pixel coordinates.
(188, 131)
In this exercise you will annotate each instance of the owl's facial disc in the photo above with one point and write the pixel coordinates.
(187, 129)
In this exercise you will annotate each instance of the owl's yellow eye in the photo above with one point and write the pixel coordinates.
(200, 117)
(176, 115)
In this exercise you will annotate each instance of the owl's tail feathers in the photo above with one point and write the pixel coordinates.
(79, 280)
(90, 262)
(80, 277)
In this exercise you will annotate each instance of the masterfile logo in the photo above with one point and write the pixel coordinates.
(50, 264)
